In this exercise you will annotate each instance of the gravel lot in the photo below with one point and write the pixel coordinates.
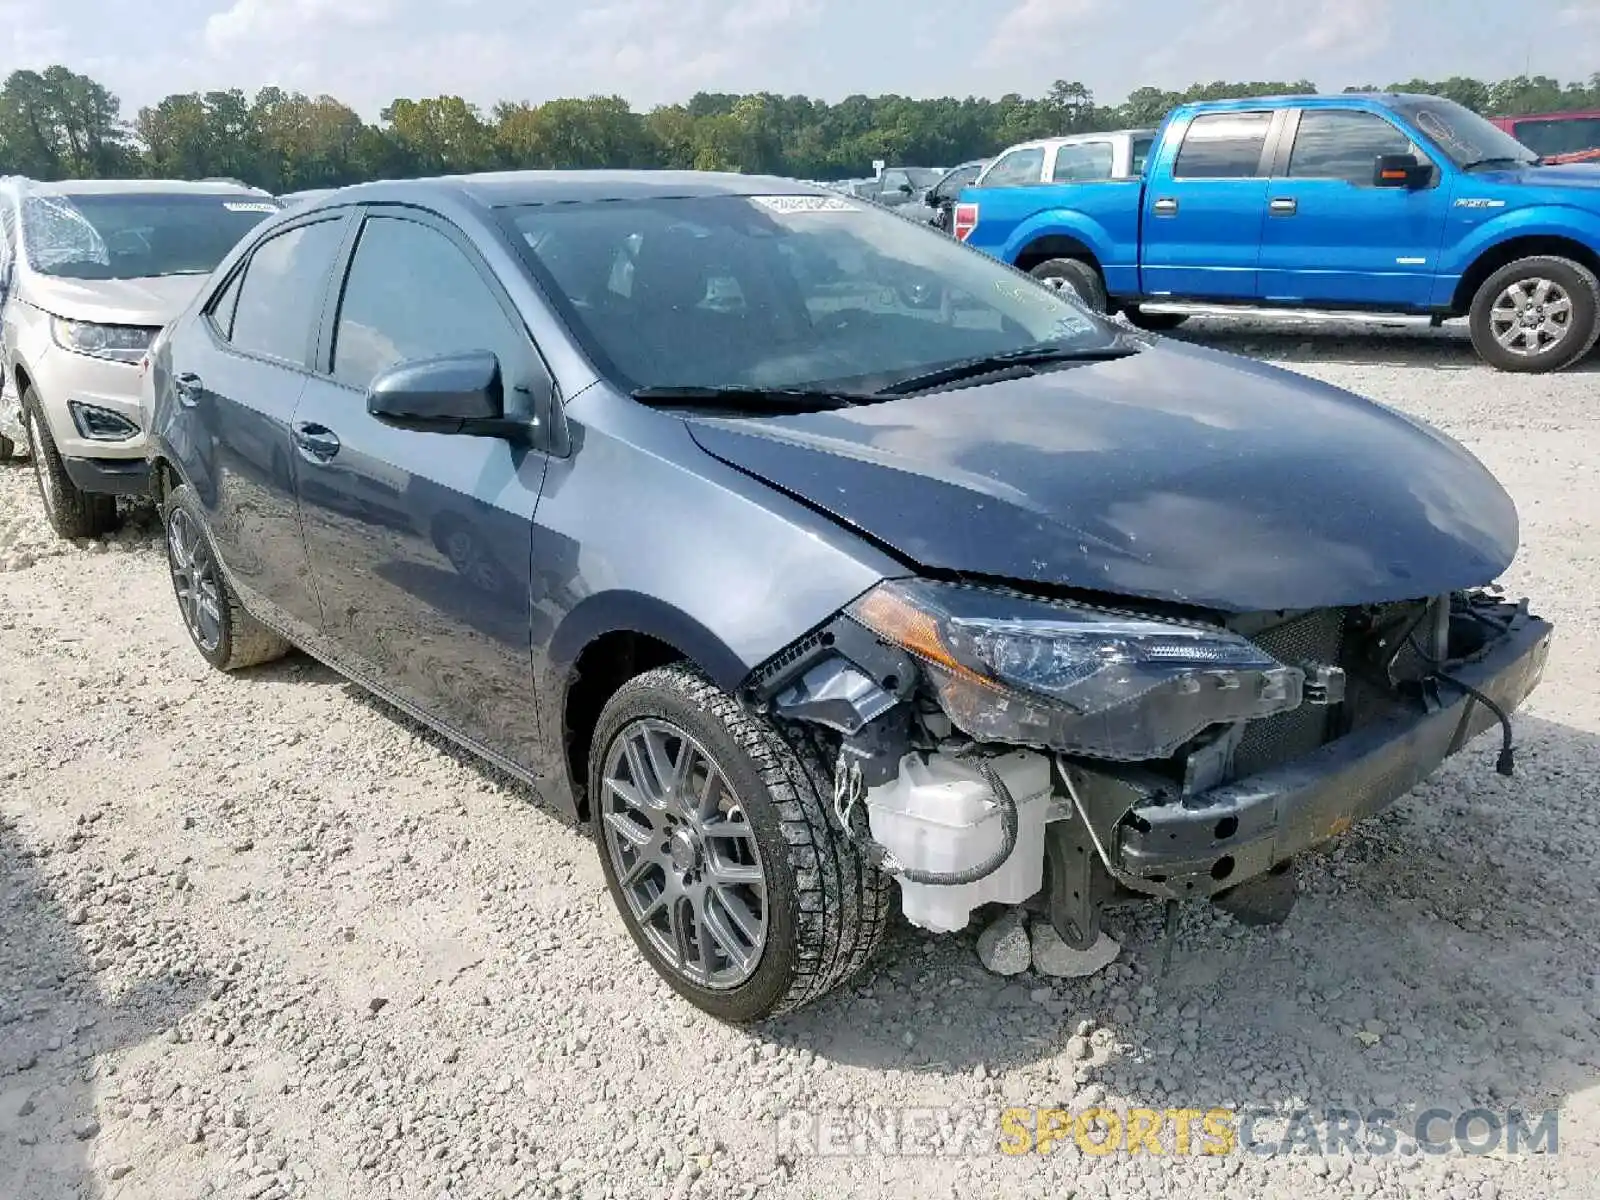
(263, 937)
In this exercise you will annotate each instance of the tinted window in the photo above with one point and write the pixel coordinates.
(1222, 146)
(1083, 162)
(1559, 136)
(411, 294)
(1020, 166)
(137, 235)
(1342, 145)
(1141, 152)
(959, 178)
(779, 291)
(281, 294)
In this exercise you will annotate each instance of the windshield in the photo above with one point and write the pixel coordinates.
(1463, 135)
(1550, 136)
(812, 291)
(136, 235)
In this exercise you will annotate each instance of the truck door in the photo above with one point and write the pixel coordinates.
(1331, 236)
(1204, 206)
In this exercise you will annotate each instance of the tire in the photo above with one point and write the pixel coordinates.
(823, 910)
(1154, 322)
(1076, 276)
(226, 635)
(72, 513)
(7, 448)
(1494, 314)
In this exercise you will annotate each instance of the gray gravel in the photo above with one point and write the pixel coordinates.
(263, 937)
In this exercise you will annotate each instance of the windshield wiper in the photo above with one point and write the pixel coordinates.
(749, 399)
(987, 364)
(1500, 158)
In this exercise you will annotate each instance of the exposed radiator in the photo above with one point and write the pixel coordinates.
(1315, 637)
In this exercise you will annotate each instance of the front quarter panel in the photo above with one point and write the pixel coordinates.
(640, 530)
(1484, 216)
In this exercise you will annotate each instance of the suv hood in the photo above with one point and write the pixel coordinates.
(1178, 474)
(153, 301)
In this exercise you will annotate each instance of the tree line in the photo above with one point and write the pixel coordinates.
(57, 124)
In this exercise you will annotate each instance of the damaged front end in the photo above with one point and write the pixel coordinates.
(995, 747)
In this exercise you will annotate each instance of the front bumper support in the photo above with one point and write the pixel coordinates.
(1157, 842)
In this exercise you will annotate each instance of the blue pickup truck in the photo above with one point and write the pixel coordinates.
(1360, 202)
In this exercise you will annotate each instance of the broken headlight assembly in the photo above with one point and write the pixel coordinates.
(1014, 668)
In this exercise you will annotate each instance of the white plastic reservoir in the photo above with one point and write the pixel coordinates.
(939, 814)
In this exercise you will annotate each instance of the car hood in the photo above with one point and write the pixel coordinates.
(1179, 475)
(153, 301)
(1581, 176)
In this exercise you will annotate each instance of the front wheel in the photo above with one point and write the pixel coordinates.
(1536, 314)
(718, 851)
(72, 512)
(1076, 277)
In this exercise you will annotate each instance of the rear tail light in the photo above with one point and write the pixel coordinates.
(964, 221)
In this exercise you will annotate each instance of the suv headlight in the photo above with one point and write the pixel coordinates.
(121, 343)
(1013, 668)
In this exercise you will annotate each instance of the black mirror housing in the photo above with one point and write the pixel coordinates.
(455, 393)
(1400, 171)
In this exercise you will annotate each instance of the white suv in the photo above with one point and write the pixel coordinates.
(90, 270)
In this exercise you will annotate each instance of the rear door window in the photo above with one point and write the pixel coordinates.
(1223, 146)
(280, 294)
(1018, 167)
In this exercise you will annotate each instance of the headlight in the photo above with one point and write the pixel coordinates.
(1013, 668)
(123, 343)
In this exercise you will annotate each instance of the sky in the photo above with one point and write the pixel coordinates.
(367, 52)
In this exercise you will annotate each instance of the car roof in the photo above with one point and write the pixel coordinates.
(1310, 100)
(120, 187)
(500, 189)
(1075, 138)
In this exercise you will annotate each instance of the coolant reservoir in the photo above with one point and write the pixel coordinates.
(939, 814)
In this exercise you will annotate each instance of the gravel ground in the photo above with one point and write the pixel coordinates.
(263, 937)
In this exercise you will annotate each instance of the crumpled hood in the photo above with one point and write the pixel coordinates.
(1179, 474)
(153, 301)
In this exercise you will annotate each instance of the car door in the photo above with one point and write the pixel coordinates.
(942, 198)
(421, 542)
(1331, 236)
(242, 367)
(1204, 207)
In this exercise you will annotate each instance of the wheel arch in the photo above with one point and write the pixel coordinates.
(607, 640)
(1527, 245)
(1057, 245)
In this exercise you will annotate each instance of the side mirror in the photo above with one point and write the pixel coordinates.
(457, 393)
(1400, 171)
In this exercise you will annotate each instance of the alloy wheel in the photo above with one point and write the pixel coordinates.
(1531, 316)
(194, 579)
(684, 854)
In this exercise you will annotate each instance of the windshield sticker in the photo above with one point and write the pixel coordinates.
(260, 206)
(1436, 128)
(806, 204)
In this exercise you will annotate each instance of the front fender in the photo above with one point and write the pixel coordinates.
(1543, 220)
(635, 612)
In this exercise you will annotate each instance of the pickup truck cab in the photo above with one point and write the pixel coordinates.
(1357, 202)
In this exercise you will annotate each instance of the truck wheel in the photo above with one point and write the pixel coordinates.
(227, 636)
(1536, 314)
(1077, 277)
(714, 835)
(72, 513)
(1155, 322)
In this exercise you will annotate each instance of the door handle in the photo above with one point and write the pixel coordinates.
(1284, 205)
(1165, 206)
(188, 387)
(316, 442)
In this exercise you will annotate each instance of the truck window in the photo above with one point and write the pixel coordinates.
(1083, 162)
(1342, 143)
(1141, 152)
(1019, 166)
(1223, 146)
(1558, 135)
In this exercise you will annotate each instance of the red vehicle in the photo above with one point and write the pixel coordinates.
(1557, 137)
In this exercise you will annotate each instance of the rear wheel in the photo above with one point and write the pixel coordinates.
(1536, 314)
(719, 853)
(227, 636)
(1155, 322)
(1076, 277)
(72, 512)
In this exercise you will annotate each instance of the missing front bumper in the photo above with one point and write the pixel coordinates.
(1156, 842)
